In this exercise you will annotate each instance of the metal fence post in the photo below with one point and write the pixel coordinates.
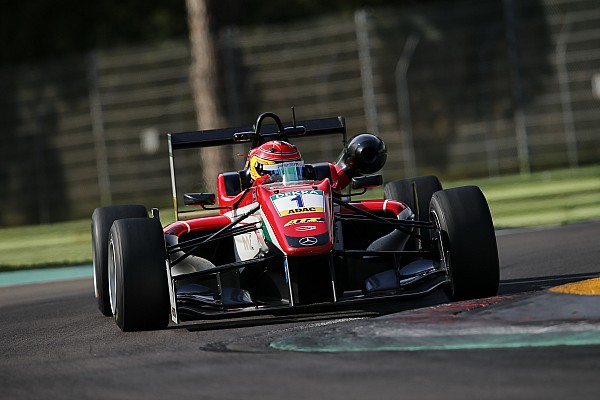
(565, 93)
(403, 98)
(39, 162)
(227, 44)
(98, 131)
(518, 89)
(366, 70)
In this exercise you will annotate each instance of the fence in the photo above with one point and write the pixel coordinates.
(460, 89)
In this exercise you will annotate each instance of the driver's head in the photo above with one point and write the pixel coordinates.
(267, 158)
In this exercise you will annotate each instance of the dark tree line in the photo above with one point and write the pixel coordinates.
(41, 29)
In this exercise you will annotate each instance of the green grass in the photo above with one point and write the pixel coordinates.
(67, 243)
(41, 246)
(546, 198)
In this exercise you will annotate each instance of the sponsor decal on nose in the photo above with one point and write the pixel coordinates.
(305, 228)
(308, 241)
(304, 221)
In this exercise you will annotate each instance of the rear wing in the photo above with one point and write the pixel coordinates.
(219, 137)
(256, 134)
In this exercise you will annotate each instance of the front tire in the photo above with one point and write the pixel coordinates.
(468, 241)
(102, 220)
(138, 288)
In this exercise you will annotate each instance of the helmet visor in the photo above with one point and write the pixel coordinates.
(286, 172)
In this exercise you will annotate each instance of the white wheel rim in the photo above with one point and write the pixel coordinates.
(112, 276)
(96, 291)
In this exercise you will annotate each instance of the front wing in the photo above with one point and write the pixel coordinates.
(210, 293)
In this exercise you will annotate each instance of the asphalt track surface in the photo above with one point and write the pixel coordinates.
(55, 344)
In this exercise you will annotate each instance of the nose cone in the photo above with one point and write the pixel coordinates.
(298, 218)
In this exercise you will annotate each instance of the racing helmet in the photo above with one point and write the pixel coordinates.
(275, 157)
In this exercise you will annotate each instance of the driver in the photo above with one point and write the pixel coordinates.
(274, 161)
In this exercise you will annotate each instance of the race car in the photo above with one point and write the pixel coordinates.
(285, 235)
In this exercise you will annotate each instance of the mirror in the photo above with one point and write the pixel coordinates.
(367, 181)
(199, 199)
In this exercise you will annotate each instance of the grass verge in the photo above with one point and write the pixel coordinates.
(545, 198)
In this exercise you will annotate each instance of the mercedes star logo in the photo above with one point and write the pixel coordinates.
(308, 241)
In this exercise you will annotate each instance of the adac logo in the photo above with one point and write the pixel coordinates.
(301, 210)
(304, 221)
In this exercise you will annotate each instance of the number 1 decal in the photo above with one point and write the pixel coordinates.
(298, 202)
(298, 199)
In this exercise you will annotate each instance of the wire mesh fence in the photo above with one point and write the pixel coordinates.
(460, 89)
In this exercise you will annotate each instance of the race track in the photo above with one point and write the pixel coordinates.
(55, 344)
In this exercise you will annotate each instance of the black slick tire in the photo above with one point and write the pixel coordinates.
(469, 242)
(102, 220)
(137, 275)
(402, 190)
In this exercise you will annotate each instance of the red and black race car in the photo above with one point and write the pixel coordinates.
(287, 235)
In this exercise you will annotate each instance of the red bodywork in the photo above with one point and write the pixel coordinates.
(297, 217)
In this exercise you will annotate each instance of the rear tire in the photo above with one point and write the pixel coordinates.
(469, 242)
(102, 220)
(402, 190)
(138, 288)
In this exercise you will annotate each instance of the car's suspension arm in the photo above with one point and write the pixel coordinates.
(218, 234)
